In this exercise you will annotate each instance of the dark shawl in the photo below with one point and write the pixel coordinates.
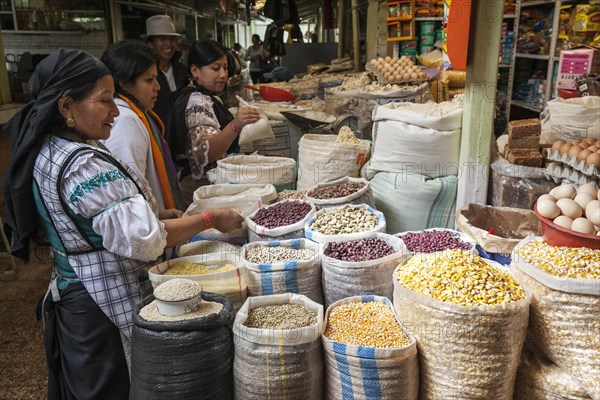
(62, 70)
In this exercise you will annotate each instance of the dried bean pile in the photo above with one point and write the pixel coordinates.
(281, 214)
(284, 316)
(290, 195)
(336, 191)
(358, 250)
(345, 220)
(266, 254)
(432, 241)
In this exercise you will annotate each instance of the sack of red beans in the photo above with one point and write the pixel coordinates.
(436, 239)
(280, 221)
(341, 191)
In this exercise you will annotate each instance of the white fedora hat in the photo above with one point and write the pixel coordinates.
(160, 25)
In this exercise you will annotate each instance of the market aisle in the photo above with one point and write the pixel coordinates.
(22, 360)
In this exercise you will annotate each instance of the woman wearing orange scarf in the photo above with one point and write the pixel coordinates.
(137, 135)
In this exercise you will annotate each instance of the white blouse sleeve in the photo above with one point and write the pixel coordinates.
(97, 189)
(202, 124)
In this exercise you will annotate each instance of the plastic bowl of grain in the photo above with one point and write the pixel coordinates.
(177, 297)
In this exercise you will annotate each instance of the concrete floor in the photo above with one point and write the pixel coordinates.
(23, 372)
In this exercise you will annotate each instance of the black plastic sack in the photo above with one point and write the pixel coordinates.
(180, 360)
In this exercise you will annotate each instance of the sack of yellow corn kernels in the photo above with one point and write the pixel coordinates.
(565, 309)
(469, 317)
(278, 352)
(539, 378)
(368, 353)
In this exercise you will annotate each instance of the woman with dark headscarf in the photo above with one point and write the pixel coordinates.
(101, 221)
(200, 128)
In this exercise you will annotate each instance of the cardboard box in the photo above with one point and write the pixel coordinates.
(575, 63)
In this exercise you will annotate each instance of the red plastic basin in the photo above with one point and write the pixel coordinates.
(556, 235)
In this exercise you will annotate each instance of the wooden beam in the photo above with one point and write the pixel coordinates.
(355, 32)
(5, 96)
(373, 27)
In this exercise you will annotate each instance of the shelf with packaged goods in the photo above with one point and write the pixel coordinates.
(525, 4)
(419, 19)
(400, 19)
(533, 56)
(522, 104)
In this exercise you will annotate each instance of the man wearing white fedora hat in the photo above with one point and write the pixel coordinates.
(162, 37)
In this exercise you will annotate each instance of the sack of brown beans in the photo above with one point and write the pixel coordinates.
(287, 266)
(564, 319)
(173, 358)
(345, 222)
(469, 317)
(280, 221)
(342, 191)
(353, 267)
(278, 352)
(368, 352)
(540, 378)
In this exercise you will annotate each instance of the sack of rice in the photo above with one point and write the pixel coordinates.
(279, 221)
(278, 351)
(341, 191)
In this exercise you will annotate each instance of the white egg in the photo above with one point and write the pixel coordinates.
(548, 209)
(592, 212)
(563, 221)
(588, 188)
(569, 208)
(565, 192)
(583, 199)
(546, 197)
(553, 192)
(583, 225)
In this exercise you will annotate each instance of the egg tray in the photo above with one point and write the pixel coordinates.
(382, 79)
(559, 172)
(574, 163)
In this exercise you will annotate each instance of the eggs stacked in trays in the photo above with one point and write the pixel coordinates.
(579, 150)
(395, 70)
(577, 209)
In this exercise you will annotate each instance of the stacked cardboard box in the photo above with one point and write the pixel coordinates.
(523, 146)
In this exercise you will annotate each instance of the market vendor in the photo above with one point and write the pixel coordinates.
(200, 128)
(101, 221)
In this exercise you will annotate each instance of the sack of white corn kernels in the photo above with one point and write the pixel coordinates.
(354, 278)
(374, 359)
(469, 317)
(361, 195)
(202, 347)
(540, 378)
(345, 222)
(258, 231)
(321, 158)
(287, 266)
(565, 310)
(273, 363)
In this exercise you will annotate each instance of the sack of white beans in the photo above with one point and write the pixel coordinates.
(278, 351)
(287, 266)
(345, 222)
(353, 267)
(368, 352)
(341, 191)
(469, 317)
(280, 221)
(564, 319)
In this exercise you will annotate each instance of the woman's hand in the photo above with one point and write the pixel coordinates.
(170, 214)
(246, 115)
(226, 219)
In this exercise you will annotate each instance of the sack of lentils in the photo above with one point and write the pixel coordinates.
(368, 352)
(470, 319)
(565, 309)
(353, 267)
(342, 191)
(345, 222)
(177, 358)
(278, 351)
(280, 221)
(287, 266)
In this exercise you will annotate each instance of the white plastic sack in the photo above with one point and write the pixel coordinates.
(279, 171)
(413, 202)
(278, 364)
(321, 159)
(318, 237)
(209, 249)
(367, 373)
(361, 196)
(297, 276)
(404, 139)
(574, 119)
(344, 278)
(261, 129)
(293, 231)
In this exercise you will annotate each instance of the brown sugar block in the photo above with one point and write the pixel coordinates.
(526, 158)
(524, 128)
(524, 143)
